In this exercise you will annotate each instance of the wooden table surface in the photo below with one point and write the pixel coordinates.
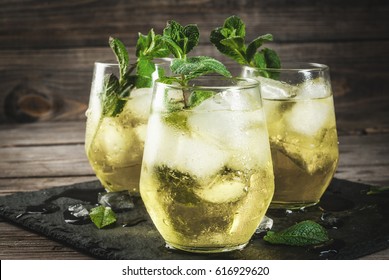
(48, 154)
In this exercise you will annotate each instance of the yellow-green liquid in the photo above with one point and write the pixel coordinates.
(114, 147)
(203, 195)
(304, 147)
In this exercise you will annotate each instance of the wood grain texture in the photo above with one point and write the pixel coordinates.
(58, 24)
(17, 243)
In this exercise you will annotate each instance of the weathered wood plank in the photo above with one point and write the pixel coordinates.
(12, 185)
(17, 243)
(42, 133)
(364, 159)
(53, 24)
(44, 161)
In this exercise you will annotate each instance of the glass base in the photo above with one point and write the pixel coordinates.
(205, 250)
(291, 205)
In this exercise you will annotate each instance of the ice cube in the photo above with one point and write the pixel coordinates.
(198, 157)
(138, 104)
(222, 191)
(308, 117)
(273, 89)
(235, 131)
(160, 143)
(118, 201)
(116, 142)
(180, 150)
(317, 88)
(141, 132)
(265, 225)
(231, 99)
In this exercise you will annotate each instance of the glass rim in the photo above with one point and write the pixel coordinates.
(294, 67)
(249, 83)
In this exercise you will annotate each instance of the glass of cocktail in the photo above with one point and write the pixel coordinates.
(116, 128)
(299, 109)
(207, 176)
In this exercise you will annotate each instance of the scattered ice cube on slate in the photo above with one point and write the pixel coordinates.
(118, 201)
(265, 225)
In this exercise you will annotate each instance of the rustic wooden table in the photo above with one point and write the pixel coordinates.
(43, 155)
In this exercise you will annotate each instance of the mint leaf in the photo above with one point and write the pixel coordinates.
(230, 41)
(197, 97)
(256, 44)
(151, 46)
(302, 234)
(112, 104)
(177, 119)
(102, 216)
(271, 58)
(144, 70)
(378, 190)
(196, 66)
(180, 39)
(121, 55)
(236, 26)
(178, 185)
(192, 34)
(115, 91)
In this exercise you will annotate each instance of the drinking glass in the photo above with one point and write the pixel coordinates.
(299, 109)
(207, 176)
(114, 142)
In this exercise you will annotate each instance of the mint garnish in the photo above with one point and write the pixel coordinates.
(302, 234)
(138, 75)
(102, 216)
(230, 41)
(181, 40)
(178, 185)
(198, 96)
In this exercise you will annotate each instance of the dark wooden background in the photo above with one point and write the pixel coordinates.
(47, 49)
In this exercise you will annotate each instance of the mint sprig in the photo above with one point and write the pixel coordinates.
(138, 75)
(102, 216)
(181, 40)
(230, 40)
(302, 234)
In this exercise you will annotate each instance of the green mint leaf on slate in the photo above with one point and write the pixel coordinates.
(102, 216)
(230, 41)
(302, 234)
(378, 190)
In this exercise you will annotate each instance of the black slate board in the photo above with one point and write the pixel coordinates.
(357, 222)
